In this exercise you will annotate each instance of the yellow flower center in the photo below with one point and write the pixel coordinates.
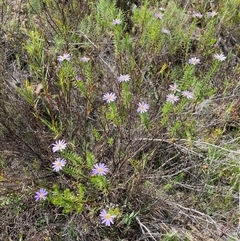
(41, 195)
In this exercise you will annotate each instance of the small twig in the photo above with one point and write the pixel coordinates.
(95, 46)
(195, 211)
(143, 226)
(88, 39)
(219, 147)
(228, 142)
(238, 228)
(170, 159)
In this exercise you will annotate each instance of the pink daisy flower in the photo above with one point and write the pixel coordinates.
(59, 145)
(41, 194)
(116, 21)
(142, 107)
(58, 164)
(85, 59)
(109, 97)
(219, 57)
(123, 78)
(63, 57)
(99, 169)
(172, 98)
(194, 61)
(187, 94)
(174, 88)
(106, 218)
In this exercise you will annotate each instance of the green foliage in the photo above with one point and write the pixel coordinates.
(171, 237)
(145, 24)
(68, 200)
(52, 125)
(78, 166)
(100, 182)
(145, 120)
(112, 114)
(34, 6)
(106, 12)
(230, 12)
(35, 48)
(76, 160)
(28, 94)
(128, 218)
(65, 77)
(209, 38)
(126, 95)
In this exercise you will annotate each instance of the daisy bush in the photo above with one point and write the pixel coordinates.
(126, 116)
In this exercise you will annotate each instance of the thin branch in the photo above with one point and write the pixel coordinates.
(143, 226)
